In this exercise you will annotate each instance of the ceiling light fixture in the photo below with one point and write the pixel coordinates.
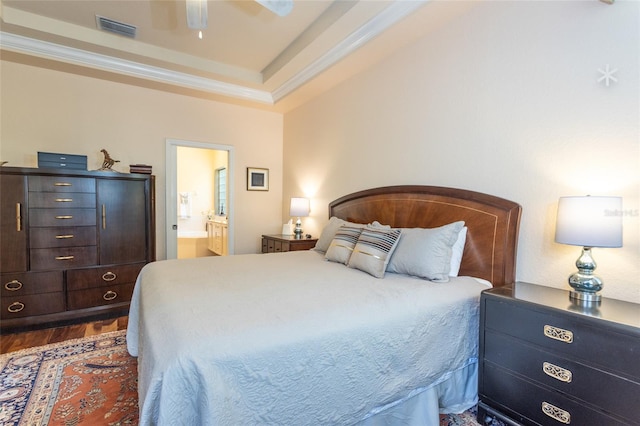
(197, 14)
(197, 11)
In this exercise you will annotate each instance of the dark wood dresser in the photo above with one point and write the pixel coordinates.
(72, 243)
(546, 361)
(283, 243)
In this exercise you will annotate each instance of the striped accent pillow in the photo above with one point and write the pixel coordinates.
(373, 250)
(342, 244)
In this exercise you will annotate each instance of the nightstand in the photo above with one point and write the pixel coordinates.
(282, 243)
(545, 361)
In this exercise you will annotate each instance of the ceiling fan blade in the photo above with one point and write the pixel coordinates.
(279, 7)
(197, 14)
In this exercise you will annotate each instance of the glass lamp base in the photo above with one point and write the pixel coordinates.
(584, 283)
(584, 297)
(297, 232)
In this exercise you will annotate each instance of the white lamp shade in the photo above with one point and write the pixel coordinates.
(299, 207)
(589, 221)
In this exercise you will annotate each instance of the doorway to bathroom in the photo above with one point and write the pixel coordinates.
(199, 202)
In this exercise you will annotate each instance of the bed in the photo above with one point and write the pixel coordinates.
(308, 337)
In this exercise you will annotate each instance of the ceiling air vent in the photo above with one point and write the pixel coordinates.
(116, 27)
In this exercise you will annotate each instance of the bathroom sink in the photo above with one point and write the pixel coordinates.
(220, 219)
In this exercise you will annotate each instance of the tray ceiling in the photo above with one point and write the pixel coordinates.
(246, 53)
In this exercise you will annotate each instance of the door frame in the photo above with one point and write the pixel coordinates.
(171, 200)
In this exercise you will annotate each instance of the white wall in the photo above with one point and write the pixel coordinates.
(46, 109)
(502, 100)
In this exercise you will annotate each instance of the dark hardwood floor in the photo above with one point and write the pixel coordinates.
(16, 341)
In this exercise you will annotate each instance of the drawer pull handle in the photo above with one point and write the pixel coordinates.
(64, 200)
(109, 276)
(556, 413)
(13, 285)
(560, 334)
(18, 217)
(110, 295)
(64, 257)
(63, 237)
(557, 373)
(62, 184)
(15, 307)
(64, 217)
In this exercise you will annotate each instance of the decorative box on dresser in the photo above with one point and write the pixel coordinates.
(283, 243)
(72, 243)
(545, 360)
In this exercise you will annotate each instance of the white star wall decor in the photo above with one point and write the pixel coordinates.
(607, 75)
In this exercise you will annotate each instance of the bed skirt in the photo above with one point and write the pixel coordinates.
(454, 393)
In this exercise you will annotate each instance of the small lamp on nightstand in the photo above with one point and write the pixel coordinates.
(588, 222)
(299, 208)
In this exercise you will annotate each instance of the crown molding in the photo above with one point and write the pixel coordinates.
(375, 26)
(44, 49)
(372, 28)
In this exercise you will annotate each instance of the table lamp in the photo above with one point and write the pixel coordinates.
(588, 222)
(299, 208)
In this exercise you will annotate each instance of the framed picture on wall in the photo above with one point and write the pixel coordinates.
(257, 179)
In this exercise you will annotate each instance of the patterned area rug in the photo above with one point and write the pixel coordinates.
(88, 381)
(468, 418)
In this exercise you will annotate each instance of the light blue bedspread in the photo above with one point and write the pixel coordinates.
(291, 339)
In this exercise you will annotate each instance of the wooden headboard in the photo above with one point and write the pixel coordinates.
(492, 222)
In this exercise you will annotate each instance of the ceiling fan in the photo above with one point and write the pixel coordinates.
(197, 11)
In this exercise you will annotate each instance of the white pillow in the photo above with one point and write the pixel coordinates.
(329, 231)
(373, 250)
(343, 243)
(426, 252)
(457, 251)
(376, 224)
